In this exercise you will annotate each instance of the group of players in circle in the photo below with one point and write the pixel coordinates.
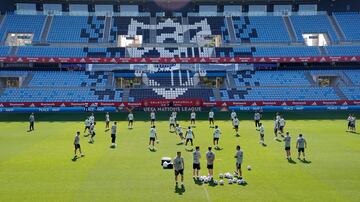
(189, 136)
(174, 127)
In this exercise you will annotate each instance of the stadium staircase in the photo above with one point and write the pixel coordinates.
(127, 54)
(290, 29)
(126, 93)
(13, 50)
(145, 80)
(345, 79)
(216, 93)
(338, 31)
(46, 29)
(339, 93)
(230, 25)
(2, 90)
(110, 80)
(185, 22)
(309, 78)
(27, 80)
(2, 17)
(230, 83)
(323, 51)
(196, 80)
(108, 22)
(152, 34)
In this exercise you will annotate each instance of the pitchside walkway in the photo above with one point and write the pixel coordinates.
(183, 117)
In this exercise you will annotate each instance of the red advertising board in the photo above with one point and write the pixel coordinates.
(182, 60)
(183, 103)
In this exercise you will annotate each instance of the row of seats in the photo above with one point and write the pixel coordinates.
(169, 30)
(352, 93)
(171, 93)
(250, 29)
(205, 26)
(271, 78)
(354, 76)
(46, 51)
(276, 51)
(167, 52)
(343, 50)
(287, 78)
(130, 26)
(22, 24)
(4, 51)
(349, 24)
(279, 93)
(312, 24)
(67, 79)
(77, 29)
(174, 78)
(60, 95)
(181, 52)
(90, 29)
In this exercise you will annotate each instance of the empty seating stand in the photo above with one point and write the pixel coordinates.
(208, 26)
(50, 51)
(305, 24)
(85, 29)
(169, 30)
(130, 26)
(174, 78)
(60, 95)
(68, 79)
(271, 78)
(4, 51)
(55, 86)
(349, 24)
(137, 95)
(250, 29)
(279, 94)
(32, 24)
(274, 51)
(343, 50)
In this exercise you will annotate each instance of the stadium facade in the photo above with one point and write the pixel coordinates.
(245, 55)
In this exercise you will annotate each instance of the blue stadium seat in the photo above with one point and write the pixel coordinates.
(279, 94)
(250, 29)
(349, 24)
(343, 50)
(77, 29)
(4, 51)
(22, 24)
(305, 24)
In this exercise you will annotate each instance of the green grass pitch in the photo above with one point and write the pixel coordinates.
(37, 166)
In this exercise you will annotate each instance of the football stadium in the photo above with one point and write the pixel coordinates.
(179, 100)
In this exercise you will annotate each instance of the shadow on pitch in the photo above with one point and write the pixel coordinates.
(291, 161)
(353, 132)
(244, 184)
(218, 148)
(180, 190)
(305, 161)
(189, 150)
(75, 158)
